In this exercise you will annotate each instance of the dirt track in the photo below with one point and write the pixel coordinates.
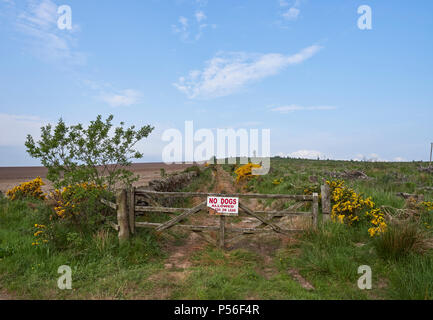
(12, 176)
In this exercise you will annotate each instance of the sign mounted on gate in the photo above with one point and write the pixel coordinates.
(223, 206)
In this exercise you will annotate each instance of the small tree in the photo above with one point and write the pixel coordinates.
(76, 154)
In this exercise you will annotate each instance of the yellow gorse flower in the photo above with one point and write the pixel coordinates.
(40, 234)
(30, 189)
(277, 181)
(428, 205)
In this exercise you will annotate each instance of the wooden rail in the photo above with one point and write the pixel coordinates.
(239, 195)
(127, 209)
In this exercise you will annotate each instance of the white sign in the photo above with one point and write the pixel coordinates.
(226, 206)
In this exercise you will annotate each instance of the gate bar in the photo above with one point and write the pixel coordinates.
(239, 195)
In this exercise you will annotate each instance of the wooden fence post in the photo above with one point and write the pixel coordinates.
(222, 231)
(326, 201)
(122, 214)
(131, 209)
(431, 153)
(315, 209)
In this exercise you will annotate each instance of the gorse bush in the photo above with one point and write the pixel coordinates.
(98, 154)
(30, 189)
(245, 172)
(350, 208)
(79, 203)
(76, 205)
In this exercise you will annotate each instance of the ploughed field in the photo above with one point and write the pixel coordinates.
(12, 176)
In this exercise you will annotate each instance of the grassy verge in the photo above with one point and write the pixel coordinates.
(101, 267)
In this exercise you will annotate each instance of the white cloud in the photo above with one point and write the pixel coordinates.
(42, 14)
(372, 157)
(399, 159)
(294, 107)
(199, 15)
(111, 95)
(200, 32)
(182, 28)
(44, 39)
(15, 128)
(291, 14)
(125, 98)
(183, 21)
(226, 73)
(306, 154)
(191, 30)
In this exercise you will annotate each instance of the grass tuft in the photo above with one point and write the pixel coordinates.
(400, 240)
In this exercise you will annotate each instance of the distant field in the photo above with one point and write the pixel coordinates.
(382, 180)
(11, 176)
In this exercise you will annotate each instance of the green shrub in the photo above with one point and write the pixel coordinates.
(80, 203)
(76, 154)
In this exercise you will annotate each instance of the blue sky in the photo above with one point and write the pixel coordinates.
(301, 68)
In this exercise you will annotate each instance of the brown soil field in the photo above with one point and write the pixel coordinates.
(12, 176)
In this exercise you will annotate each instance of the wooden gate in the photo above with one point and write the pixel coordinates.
(128, 208)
